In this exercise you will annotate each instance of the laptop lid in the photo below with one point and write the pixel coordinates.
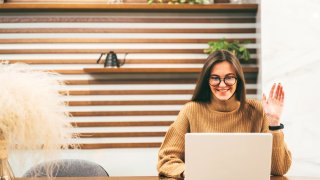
(228, 156)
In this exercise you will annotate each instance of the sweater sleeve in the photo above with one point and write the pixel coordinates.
(281, 156)
(171, 153)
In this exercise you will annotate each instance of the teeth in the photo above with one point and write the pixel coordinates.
(223, 90)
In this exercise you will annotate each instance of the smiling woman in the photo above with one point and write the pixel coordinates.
(219, 104)
(225, 88)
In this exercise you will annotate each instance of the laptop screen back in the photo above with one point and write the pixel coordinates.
(228, 156)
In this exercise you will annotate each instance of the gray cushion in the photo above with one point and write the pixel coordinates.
(67, 168)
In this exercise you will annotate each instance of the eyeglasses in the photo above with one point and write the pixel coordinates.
(228, 80)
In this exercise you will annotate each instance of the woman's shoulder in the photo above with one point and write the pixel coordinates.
(254, 104)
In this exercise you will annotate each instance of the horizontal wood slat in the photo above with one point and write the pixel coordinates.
(122, 134)
(249, 80)
(121, 124)
(122, 20)
(94, 1)
(128, 92)
(124, 113)
(124, 30)
(144, 102)
(112, 40)
(119, 145)
(94, 51)
(128, 61)
(72, 1)
(136, 92)
(253, 69)
(130, 81)
(141, 70)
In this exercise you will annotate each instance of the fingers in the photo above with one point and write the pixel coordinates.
(282, 96)
(278, 92)
(272, 90)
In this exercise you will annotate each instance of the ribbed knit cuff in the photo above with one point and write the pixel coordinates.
(278, 139)
(176, 173)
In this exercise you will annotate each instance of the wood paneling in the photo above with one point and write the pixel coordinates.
(137, 102)
(87, 79)
(122, 124)
(125, 30)
(120, 145)
(110, 40)
(123, 20)
(138, 92)
(141, 70)
(122, 134)
(230, 8)
(249, 80)
(130, 81)
(156, 70)
(128, 61)
(129, 92)
(94, 51)
(124, 113)
(92, 1)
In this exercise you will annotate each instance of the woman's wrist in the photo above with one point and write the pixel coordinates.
(276, 128)
(274, 120)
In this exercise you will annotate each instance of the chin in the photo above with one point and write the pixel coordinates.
(223, 98)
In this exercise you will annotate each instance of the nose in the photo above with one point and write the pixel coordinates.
(222, 84)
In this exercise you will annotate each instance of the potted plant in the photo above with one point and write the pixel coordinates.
(238, 49)
(32, 115)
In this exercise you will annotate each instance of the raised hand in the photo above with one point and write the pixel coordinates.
(273, 105)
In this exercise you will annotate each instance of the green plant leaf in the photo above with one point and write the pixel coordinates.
(235, 47)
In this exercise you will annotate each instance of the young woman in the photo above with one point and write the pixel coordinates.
(219, 104)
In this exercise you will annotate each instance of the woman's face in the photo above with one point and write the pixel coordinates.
(223, 80)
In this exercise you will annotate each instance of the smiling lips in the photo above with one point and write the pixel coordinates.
(222, 90)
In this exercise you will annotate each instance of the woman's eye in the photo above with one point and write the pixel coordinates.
(229, 77)
(215, 78)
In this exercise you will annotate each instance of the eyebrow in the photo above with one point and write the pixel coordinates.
(225, 75)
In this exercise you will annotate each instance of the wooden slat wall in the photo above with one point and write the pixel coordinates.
(124, 110)
(90, 1)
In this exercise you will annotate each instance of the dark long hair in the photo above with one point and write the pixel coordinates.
(203, 92)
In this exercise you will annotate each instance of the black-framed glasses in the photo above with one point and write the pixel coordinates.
(229, 80)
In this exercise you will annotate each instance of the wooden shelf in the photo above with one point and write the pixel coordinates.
(9, 7)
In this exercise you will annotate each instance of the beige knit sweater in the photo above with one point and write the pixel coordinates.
(218, 117)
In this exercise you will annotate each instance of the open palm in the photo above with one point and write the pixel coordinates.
(273, 105)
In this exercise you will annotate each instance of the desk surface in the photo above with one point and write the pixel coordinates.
(157, 178)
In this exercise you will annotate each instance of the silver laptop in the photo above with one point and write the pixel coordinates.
(228, 156)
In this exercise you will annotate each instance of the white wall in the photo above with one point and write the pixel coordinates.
(290, 55)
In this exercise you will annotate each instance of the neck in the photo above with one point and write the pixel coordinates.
(224, 105)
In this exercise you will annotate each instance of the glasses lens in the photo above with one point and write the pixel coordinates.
(214, 80)
(230, 80)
